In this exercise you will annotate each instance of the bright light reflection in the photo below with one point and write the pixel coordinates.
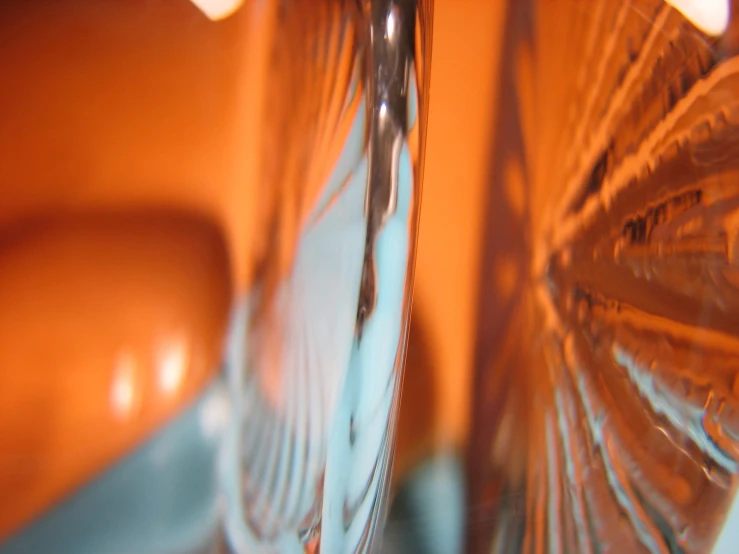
(217, 9)
(172, 365)
(710, 16)
(123, 388)
(390, 23)
(215, 414)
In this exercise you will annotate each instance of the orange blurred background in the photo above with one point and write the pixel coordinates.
(435, 404)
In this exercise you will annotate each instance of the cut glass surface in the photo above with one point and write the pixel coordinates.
(607, 401)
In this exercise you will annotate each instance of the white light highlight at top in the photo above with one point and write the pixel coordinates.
(217, 9)
(710, 16)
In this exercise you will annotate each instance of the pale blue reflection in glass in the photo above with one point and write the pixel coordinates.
(429, 510)
(360, 442)
(728, 538)
(323, 290)
(342, 418)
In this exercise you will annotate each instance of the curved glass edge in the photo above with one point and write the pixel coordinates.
(290, 492)
(595, 428)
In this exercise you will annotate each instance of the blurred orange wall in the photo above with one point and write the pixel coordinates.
(464, 62)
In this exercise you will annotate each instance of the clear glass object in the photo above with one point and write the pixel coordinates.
(606, 394)
(207, 234)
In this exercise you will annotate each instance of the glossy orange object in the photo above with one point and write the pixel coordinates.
(110, 324)
(118, 256)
